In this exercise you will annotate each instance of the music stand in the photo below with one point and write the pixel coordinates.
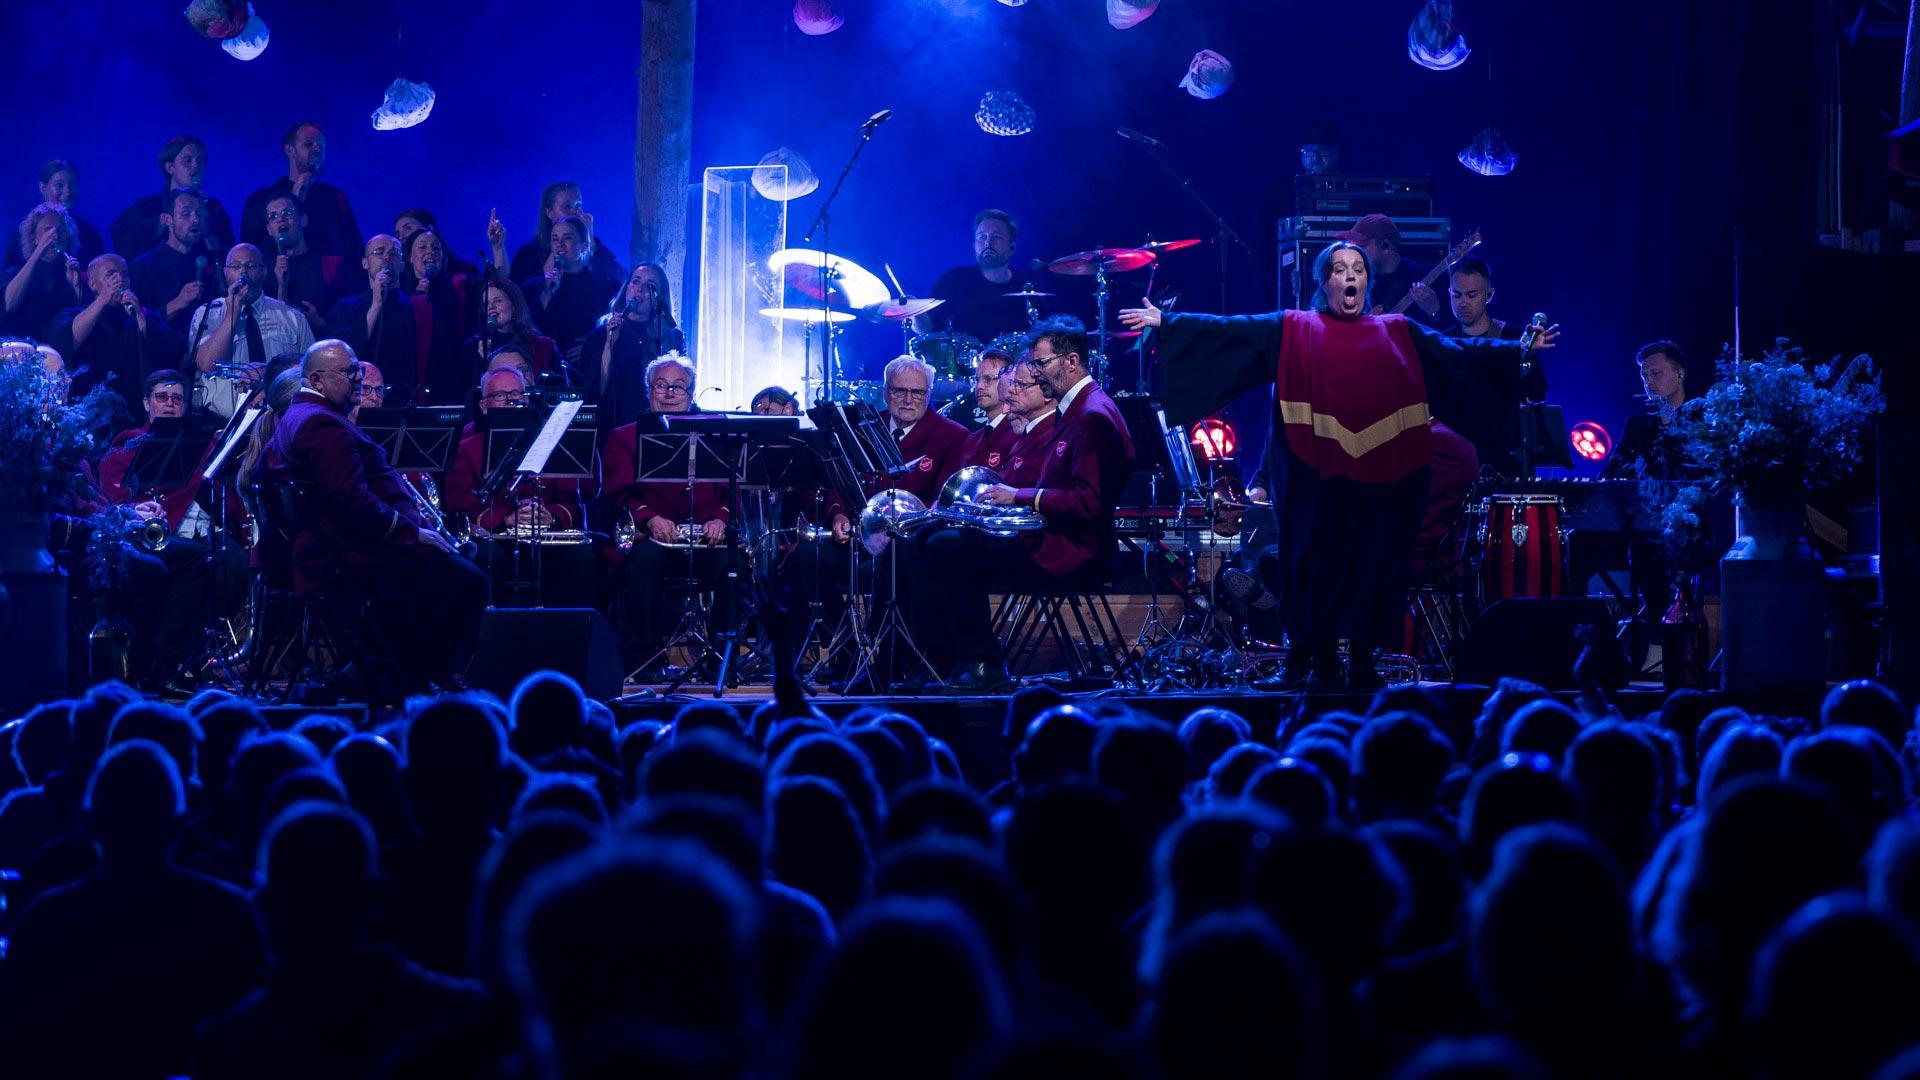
(520, 449)
(855, 444)
(1543, 438)
(421, 438)
(165, 458)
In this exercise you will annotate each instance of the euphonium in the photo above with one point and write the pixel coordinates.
(464, 547)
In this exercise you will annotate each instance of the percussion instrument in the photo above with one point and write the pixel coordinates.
(1522, 548)
(1026, 294)
(1161, 247)
(1111, 260)
(896, 310)
(1013, 342)
(951, 355)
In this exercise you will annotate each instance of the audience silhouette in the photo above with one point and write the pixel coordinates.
(476, 888)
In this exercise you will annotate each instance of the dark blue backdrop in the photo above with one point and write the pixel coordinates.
(1616, 222)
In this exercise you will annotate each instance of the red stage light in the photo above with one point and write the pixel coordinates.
(1213, 440)
(1591, 441)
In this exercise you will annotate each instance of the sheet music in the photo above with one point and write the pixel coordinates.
(535, 462)
(247, 420)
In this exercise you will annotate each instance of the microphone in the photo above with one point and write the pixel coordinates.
(1532, 332)
(281, 243)
(493, 324)
(877, 119)
(1144, 140)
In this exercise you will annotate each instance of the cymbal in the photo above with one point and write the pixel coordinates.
(896, 310)
(810, 314)
(1026, 294)
(1161, 247)
(846, 281)
(1116, 261)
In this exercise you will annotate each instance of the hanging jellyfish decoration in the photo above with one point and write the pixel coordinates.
(1014, 3)
(406, 104)
(1434, 39)
(1208, 75)
(816, 17)
(1001, 112)
(1127, 14)
(218, 20)
(796, 182)
(251, 41)
(1488, 154)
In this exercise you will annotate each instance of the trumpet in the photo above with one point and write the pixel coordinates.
(150, 535)
(464, 547)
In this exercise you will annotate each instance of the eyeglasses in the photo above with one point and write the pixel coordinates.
(351, 371)
(383, 252)
(505, 397)
(907, 393)
(1026, 384)
(372, 391)
(280, 215)
(175, 398)
(669, 387)
(1043, 361)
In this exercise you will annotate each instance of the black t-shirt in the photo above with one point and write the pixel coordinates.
(576, 307)
(159, 275)
(47, 294)
(1495, 426)
(977, 306)
(138, 227)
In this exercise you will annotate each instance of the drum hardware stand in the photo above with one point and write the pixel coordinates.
(1223, 232)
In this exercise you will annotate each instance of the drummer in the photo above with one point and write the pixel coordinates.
(976, 301)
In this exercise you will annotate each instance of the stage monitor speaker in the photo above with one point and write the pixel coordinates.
(516, 642)
(1532, 638)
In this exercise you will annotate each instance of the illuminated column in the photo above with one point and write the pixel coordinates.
(737, 348)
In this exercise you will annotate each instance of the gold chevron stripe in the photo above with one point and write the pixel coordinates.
(1355, 443)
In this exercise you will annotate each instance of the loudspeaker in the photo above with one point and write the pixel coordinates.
(516, 642)
(1532, 638)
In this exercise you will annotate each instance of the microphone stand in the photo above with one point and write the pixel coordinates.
(823, 225)
(1223, 232)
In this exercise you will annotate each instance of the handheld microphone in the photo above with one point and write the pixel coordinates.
(630, 308)
(1144, 140)
(1532, 332)
(493, 324)
(877, 119)
(282, 243)
(199, 267)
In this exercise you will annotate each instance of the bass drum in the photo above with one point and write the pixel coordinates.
(950, 355)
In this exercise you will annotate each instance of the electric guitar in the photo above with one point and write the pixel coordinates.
(1460, 251)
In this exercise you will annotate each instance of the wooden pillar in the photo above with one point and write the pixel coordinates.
(663, 141)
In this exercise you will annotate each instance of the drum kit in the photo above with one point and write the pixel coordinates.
(820, 289)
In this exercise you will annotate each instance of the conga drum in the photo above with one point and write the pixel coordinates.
(1522, 551)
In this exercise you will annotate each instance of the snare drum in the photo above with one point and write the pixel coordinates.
(1522, 550)
(950, 355)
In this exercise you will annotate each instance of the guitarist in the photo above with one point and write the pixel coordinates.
(1396, 278)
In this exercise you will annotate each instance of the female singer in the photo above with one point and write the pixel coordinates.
(47, 278)
(1353, 399)
(429, 283)
(638, 327)
(507, 322)
(557, 200)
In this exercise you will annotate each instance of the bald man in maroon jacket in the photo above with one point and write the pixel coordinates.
(658, 510)
(363, 528)
(1084, 459)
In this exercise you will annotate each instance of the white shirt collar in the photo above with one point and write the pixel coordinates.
(903, 429)
(1066, 399)
(997, 417)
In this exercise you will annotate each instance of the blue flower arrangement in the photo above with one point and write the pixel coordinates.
(45, 441)
(1773, 429)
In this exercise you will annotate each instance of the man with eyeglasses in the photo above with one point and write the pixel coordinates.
(567, 571)
(1031, 417)
(658, 510)
(364, 533)
(378, 320)
(244, 328)
(300, 275)
(189, 510)
(932, 445)
(115, 339)
(988, 445)
(372, 393)
(1083, 462)
(331, 227)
